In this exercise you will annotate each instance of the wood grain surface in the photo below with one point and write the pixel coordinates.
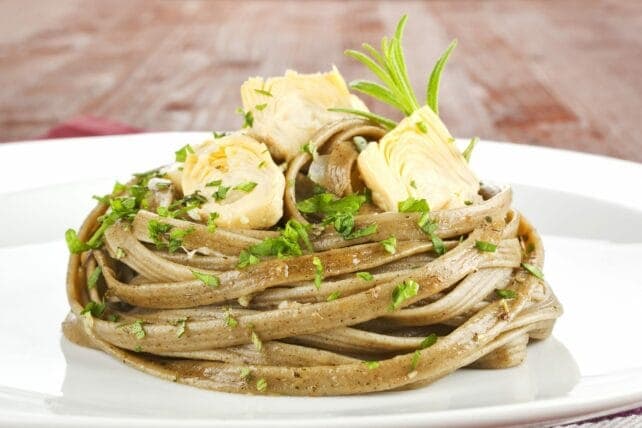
(556, 73)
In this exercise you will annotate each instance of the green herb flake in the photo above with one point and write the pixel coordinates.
(415, 360)
(256, 341)
(428, 341)
(366, 276)
(218, 135)
(263, 92)
(260, 107)
(505, 294)
(245, 373)
(221, 193)
(469, 148)
(120, 253)
(390, 244)
(429, 227)
(318, 273)
(333, 296)
(533, 270)
(403, 292)
(93, 278)
(113, 317)
(96, 309)
(467, 202)
(181, 154)
(138, 349)
(230, 321)
(176, 237)
(137, 329)
(262, 164)
(74, 243)
(371, 364)
(209, 280)
(246, 187)
(248, 117)
(246, 259)
(261, 385)
(214, 183)
(211, 222)
(421, 126)
(413, 184)
(181, 325)
(364, 231)
(412, 205)
(485, 246)
(309, 148)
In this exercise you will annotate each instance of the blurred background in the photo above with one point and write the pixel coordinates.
(564, 74)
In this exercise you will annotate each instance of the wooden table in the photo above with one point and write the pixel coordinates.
(557, 73)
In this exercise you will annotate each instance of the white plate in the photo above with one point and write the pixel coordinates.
(588, 208)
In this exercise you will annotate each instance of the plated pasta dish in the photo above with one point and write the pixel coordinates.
(320, 249)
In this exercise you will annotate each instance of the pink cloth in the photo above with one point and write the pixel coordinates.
(87, 126)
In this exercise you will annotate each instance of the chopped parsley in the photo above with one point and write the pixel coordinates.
(248, 117)
(221, 193)
(214, 183)
(469, 149)
(413, 184)
(533, 270)
(136, 328)
(505, 294)
(415, 360)
(209, 280)
(260, 107)
(333, 296)
(309, 148)
(180, 327)
(412, 205)
(371, 364)
(120, 253)
(245, 373)
(96, 309)
(230, 321)
(468, 202)
(246, 259)
(181, 154)
(263, 92)
(93, 278)
(318, 273)
(256, 341)
(211, 222)
(428, 341)
(246, 187)
(218, 135)
(157, 230)
(403, 292)
(261, 385)
(488, 247)
(366, 276)
(421, 125)
(262, 164)
(429, 227)
(287, 244)
(338, 212)
(390, 244)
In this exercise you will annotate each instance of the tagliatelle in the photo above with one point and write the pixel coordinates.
(371, 260)
(310, 344)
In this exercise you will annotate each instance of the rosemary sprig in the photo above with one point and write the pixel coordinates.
(394, 89)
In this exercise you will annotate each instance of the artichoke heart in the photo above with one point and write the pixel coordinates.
(239, 179)
(288, 110)
(418, 159)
